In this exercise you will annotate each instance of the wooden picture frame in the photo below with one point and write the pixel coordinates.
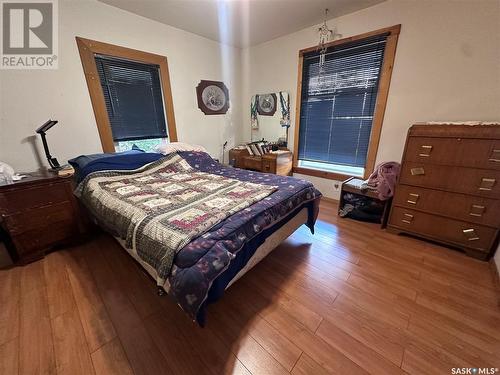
(261, 111)
(88, 49)
(202, 105)
(392, 33)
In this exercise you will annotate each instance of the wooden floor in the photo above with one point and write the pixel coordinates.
(351, 299)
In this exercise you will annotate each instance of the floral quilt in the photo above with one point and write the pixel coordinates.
(161, 207)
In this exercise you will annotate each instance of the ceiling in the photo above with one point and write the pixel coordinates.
(240, 23)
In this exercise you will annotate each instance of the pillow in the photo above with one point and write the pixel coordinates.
(81, 161)
(168, 148)
(126, 160)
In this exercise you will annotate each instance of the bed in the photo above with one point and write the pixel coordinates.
(194, 225)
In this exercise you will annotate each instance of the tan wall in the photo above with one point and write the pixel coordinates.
(29, 98)
(447, 66)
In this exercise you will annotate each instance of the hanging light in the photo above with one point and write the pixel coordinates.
(325, 35)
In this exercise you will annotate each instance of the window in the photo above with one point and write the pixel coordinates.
(130, 93)
(341, 110)
(133, 97)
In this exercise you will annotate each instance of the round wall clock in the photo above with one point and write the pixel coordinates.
(266, 104)
(213, 97)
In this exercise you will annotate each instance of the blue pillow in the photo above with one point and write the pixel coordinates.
(127, 160)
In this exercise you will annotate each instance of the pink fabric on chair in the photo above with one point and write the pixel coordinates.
(384, 179)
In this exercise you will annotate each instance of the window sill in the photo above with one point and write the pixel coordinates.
(322, 174)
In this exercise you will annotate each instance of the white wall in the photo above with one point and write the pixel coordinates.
(447, 66)
(29, 98)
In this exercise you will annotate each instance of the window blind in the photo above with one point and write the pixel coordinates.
(337, 106)
(133, 97)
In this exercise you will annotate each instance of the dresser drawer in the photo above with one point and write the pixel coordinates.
(455, 232)
(474, 153)
(254, 163)
(44, 238)
(482, 182)
(463, 207)
(267, 166)
(16, 200)
(39, 218)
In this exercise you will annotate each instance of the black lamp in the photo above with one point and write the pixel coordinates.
(54, 164)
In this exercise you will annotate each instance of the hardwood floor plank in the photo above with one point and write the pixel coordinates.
(9, 301)
(307, 366)
(455, 346)
(236, 319)
(216, 354)
(169, 337)
(143, 354)
(60, 296)
(314, 296)
(281, 300)
(478, 319)
(32, 276)
(331, 285)
(140, 291)
(110, 359)
(36, 355)
(479, 338)
(371, 332)
(71, 350)
(320, 351)
(380, 287)
(255, 358)
(96, 323)
(364, 356)
(9, 357)
(417, 362)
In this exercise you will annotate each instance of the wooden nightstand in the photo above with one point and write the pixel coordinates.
(38, 213)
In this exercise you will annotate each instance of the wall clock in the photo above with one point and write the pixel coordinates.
(213, 97)
(266, 104)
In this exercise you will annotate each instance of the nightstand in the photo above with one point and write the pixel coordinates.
(370, 209)
(38, 213)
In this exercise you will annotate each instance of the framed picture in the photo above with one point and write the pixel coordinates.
(213, 97)
(266, 104)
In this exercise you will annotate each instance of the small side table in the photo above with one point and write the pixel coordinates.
(38, 213)
(353, 186)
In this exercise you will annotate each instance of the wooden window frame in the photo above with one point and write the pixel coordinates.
(88, 49)
(378, 115)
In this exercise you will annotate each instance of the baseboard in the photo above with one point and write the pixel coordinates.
(496, 278)
(329, 200)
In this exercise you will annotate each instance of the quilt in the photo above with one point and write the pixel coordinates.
(159, 208)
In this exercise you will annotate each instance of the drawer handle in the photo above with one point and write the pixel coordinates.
(408, 218)
(495, 156)
(487, 184)
(426, 151)
(417, 171)
(470, 234)
(476, 210)
(412, 198)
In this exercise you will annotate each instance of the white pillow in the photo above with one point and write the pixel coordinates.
(167, 148)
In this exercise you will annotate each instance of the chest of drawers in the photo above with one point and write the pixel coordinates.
(449, 187)
(277, 162)
(38, 213)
